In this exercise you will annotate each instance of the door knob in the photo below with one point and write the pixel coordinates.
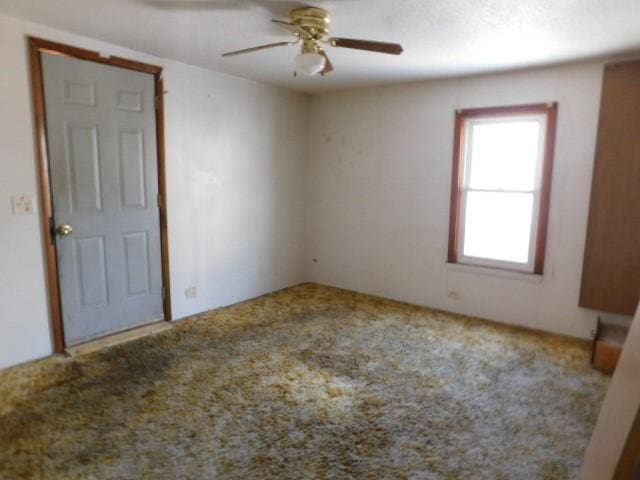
(64, 230)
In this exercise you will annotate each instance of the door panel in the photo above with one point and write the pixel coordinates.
(132, 178)
(76, 93)
(83, 167)
(91, 271)
(136, 248)
(103, 161)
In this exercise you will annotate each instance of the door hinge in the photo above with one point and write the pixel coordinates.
(156, 102)
(52, 230)
(164, 293)
(160, 200)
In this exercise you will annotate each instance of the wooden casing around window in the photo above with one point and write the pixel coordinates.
(551, 112)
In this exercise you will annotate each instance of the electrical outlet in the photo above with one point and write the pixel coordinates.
(190, 293)
(453, 295)
(22, 204)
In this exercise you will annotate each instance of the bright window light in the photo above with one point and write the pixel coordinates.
(498, 226)
(502, 158)
(505, 155)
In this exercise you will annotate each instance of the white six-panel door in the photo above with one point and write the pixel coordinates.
(102, 151)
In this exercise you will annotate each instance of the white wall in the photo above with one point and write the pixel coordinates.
(373, 210)
(379, 184)
(236, 170)
(236, 193)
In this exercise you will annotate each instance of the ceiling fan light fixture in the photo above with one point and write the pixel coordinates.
(309, 63)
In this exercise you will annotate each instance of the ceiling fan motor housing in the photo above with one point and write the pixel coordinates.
(314, 21)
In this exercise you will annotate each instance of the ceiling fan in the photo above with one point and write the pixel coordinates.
(310, 27)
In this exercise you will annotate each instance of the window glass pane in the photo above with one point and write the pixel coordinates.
(497, 226)
(504, 155)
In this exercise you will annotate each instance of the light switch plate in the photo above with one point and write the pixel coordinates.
(22, 204)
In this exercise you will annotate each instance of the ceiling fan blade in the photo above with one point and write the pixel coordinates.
(380, 47)
(328, 66)
(291, 27)
(255, 49)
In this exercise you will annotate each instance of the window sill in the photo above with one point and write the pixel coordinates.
(494, 272)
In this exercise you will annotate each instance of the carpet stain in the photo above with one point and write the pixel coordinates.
(309, 382)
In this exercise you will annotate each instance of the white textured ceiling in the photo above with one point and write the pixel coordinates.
(440, 38)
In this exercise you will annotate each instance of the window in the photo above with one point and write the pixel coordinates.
(501, 184)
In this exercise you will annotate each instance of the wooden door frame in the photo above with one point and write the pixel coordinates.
(37, 46)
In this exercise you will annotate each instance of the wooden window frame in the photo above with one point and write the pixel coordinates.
(457, 177)
(38, 46)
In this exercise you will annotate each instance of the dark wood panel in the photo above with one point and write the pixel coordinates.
(611, 269)
(606, 356)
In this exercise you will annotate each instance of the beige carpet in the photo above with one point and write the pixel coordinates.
(311, 382)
